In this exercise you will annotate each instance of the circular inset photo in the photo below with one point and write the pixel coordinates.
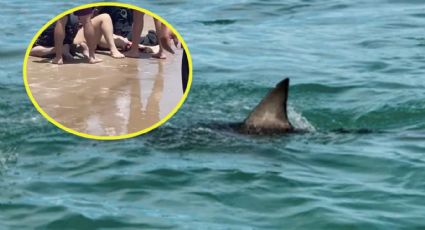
(107, 71)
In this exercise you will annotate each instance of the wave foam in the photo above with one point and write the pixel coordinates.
(299, 121)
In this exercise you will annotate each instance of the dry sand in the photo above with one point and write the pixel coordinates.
(115, 97)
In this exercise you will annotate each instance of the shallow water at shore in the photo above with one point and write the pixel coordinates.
(352, 65)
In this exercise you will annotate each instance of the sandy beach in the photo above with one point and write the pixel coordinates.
(115, 97)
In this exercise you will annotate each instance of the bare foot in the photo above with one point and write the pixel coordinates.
(94, 60)
(132, 53)
(159, 55)
(165, 43)
(57, 60)
(116, 54)
(176, 41)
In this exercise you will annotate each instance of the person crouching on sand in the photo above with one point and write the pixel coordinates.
(58, 37)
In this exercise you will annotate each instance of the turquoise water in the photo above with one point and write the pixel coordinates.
(352, 64)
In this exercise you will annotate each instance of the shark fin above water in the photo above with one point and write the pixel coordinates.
(270, 115)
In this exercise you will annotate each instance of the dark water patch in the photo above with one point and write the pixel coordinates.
(83, 165)
(49, 187)
(168, 173)
(262, 179)
(394, 115)
(381, 84)
(292, 8)
(420, 2)
(92, 166)
(358, 167)
(170, 2)
(330, 136)
(17, 208)
(312, 88)
(202, 137)
(356, 131)
(218, 22)
(265, 9)
(397, 70)
(402, 26)
(375, 44)
(237, 176)
(17, 213)
(79, 221)
(418, 15)
(328, 119)
(215, 69)
(371, 66)
(47, 138)
(146, 181)
(7, 53)
(339, 6)
(420, 41)
(421, 44)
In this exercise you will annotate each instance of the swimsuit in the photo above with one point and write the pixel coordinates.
(47, 36)
(122, 19)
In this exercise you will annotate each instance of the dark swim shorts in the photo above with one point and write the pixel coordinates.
(47, 36)
(122, 19)
(83, 12)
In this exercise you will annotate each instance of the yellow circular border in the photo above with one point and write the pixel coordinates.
(162, 121)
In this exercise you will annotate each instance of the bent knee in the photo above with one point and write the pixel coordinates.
(105, 17)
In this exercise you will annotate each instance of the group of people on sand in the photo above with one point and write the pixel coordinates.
(112, 28)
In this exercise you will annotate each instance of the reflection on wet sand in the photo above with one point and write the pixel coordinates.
(151, 114)
(116, 97)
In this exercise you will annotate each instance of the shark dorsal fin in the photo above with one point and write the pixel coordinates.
(271, 112)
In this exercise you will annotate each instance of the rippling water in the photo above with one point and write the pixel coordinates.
(353, 65)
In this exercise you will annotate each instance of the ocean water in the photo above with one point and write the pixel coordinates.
(353, 65)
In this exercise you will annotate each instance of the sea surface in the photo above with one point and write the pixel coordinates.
(357, 72)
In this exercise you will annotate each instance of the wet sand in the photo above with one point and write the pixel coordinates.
(115, 97)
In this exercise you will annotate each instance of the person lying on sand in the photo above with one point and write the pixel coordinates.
(75, 34)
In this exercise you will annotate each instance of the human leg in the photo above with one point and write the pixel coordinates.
(90, 37)
(107, 32)
(164, 38)
(67, 52)
(136, 31)
(158, 27)
(59, 36)
(42, 51)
